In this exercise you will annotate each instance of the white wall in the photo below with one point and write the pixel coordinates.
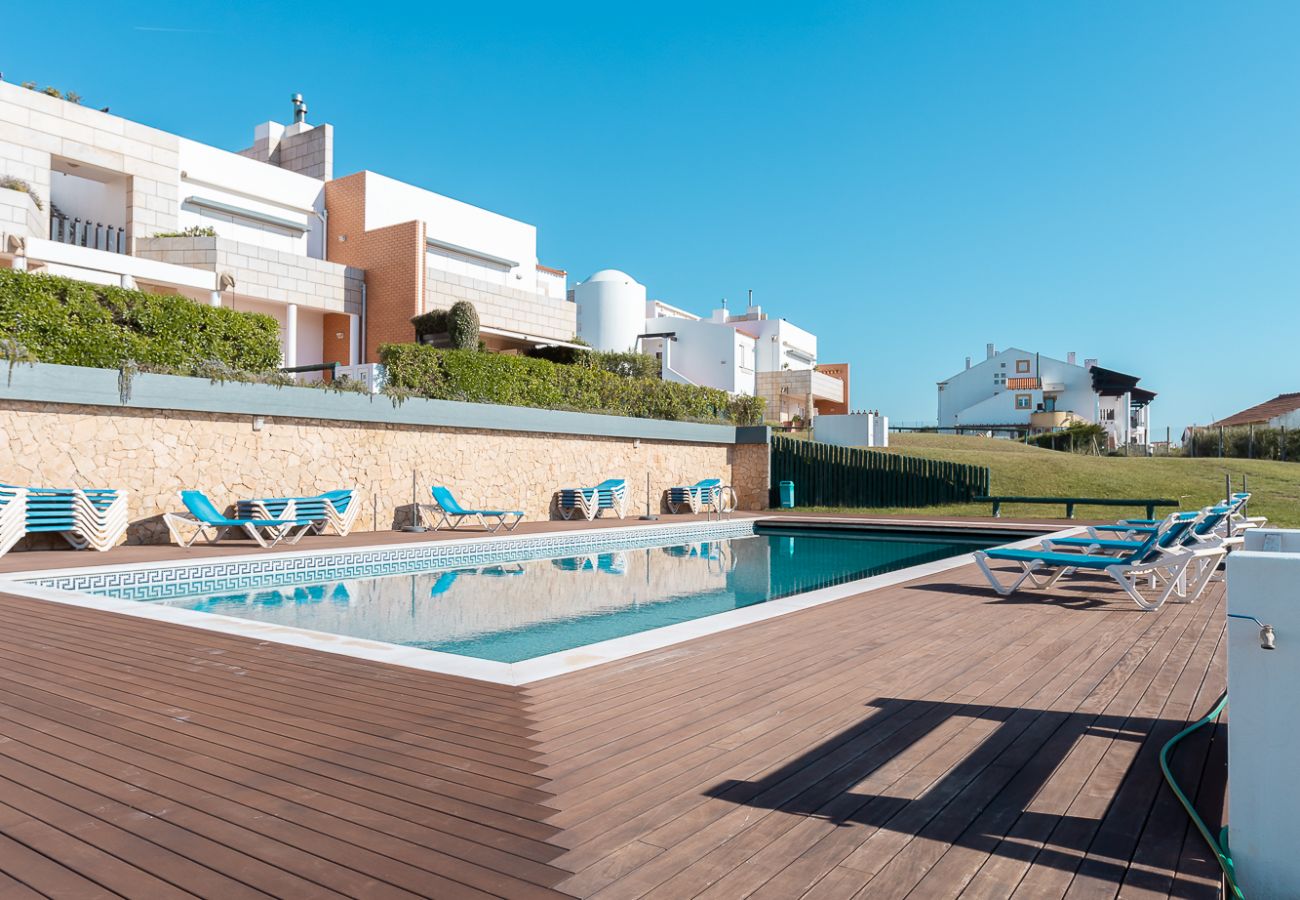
(852, 430)
(776, 339)
(90, 200)
(213, 174)
(706, 353)
(390, 202)
(1264, 734)
(469, 267)
(974, 395)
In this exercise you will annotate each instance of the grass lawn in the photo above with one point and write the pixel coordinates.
(1031, 472)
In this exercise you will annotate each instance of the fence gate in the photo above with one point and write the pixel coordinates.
(825, 475)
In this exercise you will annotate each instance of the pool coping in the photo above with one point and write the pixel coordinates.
(434, 661)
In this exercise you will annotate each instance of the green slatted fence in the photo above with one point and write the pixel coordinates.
(825, 475)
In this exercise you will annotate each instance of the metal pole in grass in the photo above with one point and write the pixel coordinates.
(648, 517)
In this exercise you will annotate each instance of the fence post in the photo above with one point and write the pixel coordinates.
(1220, 442)
(1282, 443)
(1250, 444)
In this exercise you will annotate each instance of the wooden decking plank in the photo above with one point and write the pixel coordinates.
(849, 749)
(989, 835)
(179, 726)
(219, 694)
(888, 787)
(1108, 761)
(201, 651)
(825, 854)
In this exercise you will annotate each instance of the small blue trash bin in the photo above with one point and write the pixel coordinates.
(787, 495)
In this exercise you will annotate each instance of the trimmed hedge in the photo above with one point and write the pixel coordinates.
(522, 381)
(73, 323)
(627, 364)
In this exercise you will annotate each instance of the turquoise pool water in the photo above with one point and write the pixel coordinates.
(510, 612)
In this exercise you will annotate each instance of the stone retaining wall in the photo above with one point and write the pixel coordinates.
(155, 453)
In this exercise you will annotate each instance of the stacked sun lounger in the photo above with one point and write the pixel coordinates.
(610, 494)
(84, 517)
(336, 510)
(695, 497)
(13, 516)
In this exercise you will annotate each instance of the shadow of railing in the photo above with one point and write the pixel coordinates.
(968, 775)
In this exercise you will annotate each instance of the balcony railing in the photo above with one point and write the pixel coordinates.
(95, 235)
(1023, 384)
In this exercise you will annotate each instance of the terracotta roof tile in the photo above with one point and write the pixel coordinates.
(1282, 403)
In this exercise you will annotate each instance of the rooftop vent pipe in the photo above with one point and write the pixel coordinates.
(299, 109)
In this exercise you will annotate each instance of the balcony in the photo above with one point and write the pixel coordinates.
(79, 233)
(1024, 384)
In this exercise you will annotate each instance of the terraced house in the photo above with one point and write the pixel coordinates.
(342, 264)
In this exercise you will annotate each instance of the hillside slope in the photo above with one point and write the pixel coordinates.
(1029, 471)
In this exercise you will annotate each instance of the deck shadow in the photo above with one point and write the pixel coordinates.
(982, 801)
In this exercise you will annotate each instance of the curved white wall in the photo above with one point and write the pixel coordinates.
(611, 310)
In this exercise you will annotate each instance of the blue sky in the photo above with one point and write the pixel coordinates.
(907, 180)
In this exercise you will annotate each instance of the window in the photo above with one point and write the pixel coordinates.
(1022, 367)
(1024, 401)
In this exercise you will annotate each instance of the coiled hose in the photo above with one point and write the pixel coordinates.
(1218, 846)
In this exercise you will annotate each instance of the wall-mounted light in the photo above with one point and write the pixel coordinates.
(258, 423)
(636, 445)
(338, 335)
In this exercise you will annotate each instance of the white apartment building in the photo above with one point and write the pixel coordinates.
(1014, 390)
(749, 354)
(341, 264)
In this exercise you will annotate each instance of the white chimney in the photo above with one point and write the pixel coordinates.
(1089, 363)
(968, 362)
(988, 348)
(1070, 357)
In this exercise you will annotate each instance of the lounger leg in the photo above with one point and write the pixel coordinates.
(1003, 590)
(515, 524)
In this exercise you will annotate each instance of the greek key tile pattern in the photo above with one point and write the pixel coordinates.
(163, 582)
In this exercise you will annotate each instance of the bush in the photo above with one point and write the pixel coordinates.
(426, 371)
(462, 325)
(1244, 442)
(1080, 437)
(629, 365)
(17, 184)
(192, 231)
(745, 410)
(430, 323)
(73, 323)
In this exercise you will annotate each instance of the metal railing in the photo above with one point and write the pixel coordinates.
(84, 233)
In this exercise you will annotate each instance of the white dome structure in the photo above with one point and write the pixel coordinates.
(611, 310)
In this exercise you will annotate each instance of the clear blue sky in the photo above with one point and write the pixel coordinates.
(907, 180)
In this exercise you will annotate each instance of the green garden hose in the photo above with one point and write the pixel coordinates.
(1220, 846)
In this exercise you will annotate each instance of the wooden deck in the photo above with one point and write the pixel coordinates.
(924, 740)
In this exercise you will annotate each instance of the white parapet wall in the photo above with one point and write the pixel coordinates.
(1264, 714)
(852, 430)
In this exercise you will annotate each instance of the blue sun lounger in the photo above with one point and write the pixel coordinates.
(208, 522)
(452, 514)
(1161, 556)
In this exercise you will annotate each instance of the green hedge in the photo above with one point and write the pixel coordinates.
(60, 320)
(627, 364)
(522, 381)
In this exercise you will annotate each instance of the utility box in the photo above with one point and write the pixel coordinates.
(787, 495)
(1264, 714)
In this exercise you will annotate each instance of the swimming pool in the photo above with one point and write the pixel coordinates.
(518, 610)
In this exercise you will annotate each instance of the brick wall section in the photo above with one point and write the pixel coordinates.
(156, 453)
(264, 273)
(502, 307)
(392, 257)
(337, 349)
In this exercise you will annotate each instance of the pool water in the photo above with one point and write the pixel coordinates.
(510, 612)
